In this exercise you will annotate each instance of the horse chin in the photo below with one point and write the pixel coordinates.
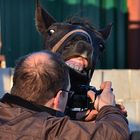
(78, 78)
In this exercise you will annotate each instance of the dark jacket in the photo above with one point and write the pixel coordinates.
(21, 120)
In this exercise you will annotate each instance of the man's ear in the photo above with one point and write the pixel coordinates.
(57, 100)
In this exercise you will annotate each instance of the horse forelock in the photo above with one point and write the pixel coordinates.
(82, 22)
(85, 23)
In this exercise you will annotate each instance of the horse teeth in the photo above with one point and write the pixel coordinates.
(80, 69)
(74, 66)
(68, 64)
(71, 65)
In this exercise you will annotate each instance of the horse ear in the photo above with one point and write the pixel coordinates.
(42, 18)
(106, 31)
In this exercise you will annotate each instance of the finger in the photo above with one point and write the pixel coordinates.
(91, 95)
(96, 103)
(106, 85)
(92, 115)
(120, 106)
(114, 99)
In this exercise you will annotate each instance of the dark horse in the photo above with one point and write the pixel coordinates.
(79, 44)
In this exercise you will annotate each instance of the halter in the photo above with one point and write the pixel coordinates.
(58, 44)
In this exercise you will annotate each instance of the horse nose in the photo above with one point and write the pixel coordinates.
(83, 47)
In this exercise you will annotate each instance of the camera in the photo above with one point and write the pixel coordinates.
(79, 101)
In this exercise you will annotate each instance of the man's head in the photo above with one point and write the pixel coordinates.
(40, 78)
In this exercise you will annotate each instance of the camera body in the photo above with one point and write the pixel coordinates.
(79, 101)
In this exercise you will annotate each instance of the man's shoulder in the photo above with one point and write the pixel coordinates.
(20, 113)
(18, 120)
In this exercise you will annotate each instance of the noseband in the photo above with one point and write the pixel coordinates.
(60, 42)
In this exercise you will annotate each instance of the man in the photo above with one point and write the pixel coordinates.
(35, 108)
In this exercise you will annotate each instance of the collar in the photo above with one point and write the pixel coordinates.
(11, 99)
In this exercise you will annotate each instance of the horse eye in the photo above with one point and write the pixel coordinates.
(51, 31)
(101, 47)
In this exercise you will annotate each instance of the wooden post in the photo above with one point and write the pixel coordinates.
(133, 34)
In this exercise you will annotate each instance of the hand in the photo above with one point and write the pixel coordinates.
(91, 114)
(106, 97)
(122, 108)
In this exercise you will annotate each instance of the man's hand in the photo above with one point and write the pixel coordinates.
(122, 108)
(106, 97)
(91, 114)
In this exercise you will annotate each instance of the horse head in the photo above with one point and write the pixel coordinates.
(76, 40)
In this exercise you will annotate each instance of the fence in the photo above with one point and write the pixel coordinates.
(19, 35)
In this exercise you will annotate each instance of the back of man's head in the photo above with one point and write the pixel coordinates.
(39, 76)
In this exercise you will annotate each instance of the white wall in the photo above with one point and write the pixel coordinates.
(126, 87)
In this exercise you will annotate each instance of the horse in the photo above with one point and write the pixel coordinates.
(78, 43)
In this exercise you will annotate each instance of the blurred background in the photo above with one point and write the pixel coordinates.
(121, 60)
(19, 36)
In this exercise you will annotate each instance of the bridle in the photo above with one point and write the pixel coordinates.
(61, 41)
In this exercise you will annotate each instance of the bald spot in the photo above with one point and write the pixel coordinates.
(36, 61)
